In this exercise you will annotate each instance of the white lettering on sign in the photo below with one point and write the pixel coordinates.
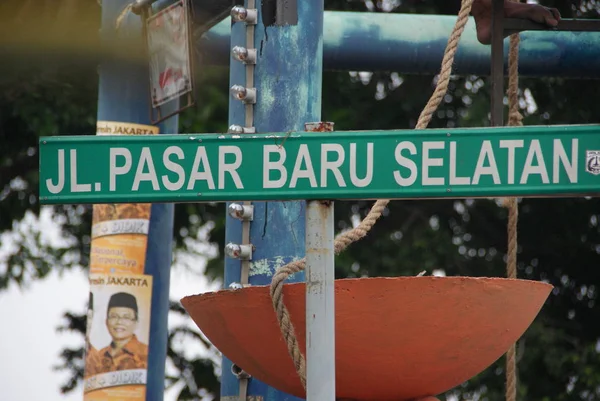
(560, 157)
(269, 165)
(333, 166)
(173, 167)
(429, 162)
(298, 172)
(197, 175)
(121, 162)
(58, 187)
(406, 162)
(115, 170)
(230, 168)
(534, 164)
(202, 171)
(454, 179)
(511, 145)
(535, 151)
(432, 163)
(486, 156)
(75, 186)
(274, 158)
(144, 163)
(361, 182)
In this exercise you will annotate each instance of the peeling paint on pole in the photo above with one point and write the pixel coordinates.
(288, 80)
(280, 12)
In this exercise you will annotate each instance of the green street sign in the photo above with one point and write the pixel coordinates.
(403, 164)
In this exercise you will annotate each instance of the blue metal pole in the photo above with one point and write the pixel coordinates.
(124, 97)
(288, 81)
(366, 41)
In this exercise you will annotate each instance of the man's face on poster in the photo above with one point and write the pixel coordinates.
(121, 322)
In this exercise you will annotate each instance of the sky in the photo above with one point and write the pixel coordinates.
(30, 316)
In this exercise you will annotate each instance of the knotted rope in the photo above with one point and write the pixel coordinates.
(343, 240)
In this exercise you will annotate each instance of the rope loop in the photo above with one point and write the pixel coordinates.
(343, 240)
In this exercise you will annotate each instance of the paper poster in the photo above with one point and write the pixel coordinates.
(118, 331)
(116, 359)
(118, 128)
(119, 238)
(168, 44)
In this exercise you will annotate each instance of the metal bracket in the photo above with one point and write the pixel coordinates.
(239, 251)
(248, 15)
(239, 130)
(243, 55)
(247, 55)
(246, 95)
(241, 212)
(243, 378)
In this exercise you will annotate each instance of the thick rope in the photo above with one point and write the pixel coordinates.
(511, 272)
(343, 240)
(122, 15)
(514, 119)
(514, 116)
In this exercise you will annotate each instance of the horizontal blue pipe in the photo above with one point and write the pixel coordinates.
(415, 44)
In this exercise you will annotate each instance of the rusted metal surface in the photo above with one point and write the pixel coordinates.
(320, 126)
(513, 25)
(419, 329)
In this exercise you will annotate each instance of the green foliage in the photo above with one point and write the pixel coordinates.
(559, 239)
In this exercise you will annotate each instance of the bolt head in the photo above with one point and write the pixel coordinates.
(235, 210)
(235, 286)
(233, 250)
(240, 53)
(239, 13)
(239, 92)
(236, 129)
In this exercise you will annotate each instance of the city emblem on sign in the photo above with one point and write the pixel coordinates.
(592, 161)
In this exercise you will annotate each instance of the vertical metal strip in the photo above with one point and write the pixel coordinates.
(497, 64)
(243, 377)
(243, 388)
(320, 295)
(245, 263)
(249, 121)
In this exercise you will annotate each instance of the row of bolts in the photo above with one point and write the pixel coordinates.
(247, 96)
(246, 56)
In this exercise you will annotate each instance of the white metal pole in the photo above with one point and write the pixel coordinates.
(320, 310)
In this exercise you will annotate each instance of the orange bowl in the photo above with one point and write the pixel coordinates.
(396, 338)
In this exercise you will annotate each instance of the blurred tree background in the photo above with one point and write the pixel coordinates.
(559, 238)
